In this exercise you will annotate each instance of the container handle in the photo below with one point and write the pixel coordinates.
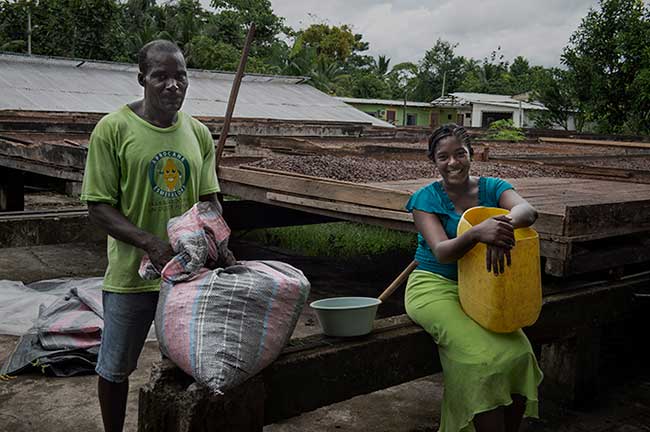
(398, 281)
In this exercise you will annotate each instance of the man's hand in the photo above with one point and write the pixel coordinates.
(160, 252)
(226, 257)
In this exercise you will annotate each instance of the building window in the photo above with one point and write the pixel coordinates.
(411, 119)
(372, 113)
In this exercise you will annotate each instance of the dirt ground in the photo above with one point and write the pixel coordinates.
(36, 402)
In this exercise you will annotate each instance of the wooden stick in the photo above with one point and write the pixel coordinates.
(234, 91)
(398, 281)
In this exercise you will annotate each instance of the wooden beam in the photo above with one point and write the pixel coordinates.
(340, 207)
(12, 190)
(38, 168)
(350, 193)
(258, 194)
(594, 142)
(22, 229)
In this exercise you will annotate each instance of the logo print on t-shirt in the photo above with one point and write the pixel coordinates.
(169, 172)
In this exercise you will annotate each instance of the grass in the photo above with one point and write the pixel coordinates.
(340, 239)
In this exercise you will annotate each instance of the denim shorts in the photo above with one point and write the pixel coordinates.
(127, 319)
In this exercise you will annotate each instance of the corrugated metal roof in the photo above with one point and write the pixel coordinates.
(384, 102)
(460, 99)
(50, 84)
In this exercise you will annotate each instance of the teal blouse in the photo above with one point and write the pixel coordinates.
(433, 199)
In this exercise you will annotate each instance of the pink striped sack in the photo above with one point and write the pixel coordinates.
(222, 325)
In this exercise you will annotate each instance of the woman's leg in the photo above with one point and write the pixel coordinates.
(490, 421)
(514, 413)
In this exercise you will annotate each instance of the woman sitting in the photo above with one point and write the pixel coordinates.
(490, 378)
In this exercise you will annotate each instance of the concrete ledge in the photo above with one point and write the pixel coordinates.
(172, 402)
(316, 371)
(310, 373)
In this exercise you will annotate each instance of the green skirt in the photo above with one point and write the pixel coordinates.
(481, 369)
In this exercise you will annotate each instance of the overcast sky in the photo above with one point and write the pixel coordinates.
(404, 29)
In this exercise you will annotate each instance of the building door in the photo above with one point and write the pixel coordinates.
(390, 116)
(487, 118)
(460, 119)
(433, 122)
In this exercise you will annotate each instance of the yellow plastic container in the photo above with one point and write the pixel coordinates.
(506, 302)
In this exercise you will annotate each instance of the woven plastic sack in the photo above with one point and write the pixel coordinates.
(222, 325)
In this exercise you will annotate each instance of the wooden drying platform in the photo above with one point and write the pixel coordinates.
(608, 143)
(585, 225)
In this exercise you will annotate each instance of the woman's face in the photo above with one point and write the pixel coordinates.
(452, 160)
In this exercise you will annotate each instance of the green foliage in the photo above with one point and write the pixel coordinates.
(439, 64)
(69, 28)
(341, 239)
(556, 90)
(504, 130)
(332, 43)
(609, 58)
(203, 52)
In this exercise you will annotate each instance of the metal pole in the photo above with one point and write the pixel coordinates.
(404, 113)
(29, 32)
(444, 81)
(233, 94)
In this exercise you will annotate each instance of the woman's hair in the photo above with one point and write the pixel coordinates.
(445, 131)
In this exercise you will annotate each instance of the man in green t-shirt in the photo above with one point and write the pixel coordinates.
(147, 162)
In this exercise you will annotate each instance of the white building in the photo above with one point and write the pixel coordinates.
(481, 109)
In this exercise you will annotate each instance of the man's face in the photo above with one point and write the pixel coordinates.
(165, 82)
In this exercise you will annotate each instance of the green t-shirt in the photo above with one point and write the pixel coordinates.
(150, 175)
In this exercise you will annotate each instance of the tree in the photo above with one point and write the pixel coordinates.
(331, 43)
(69, 28)
(609, 57)
(491, 76)
(370, 86)
(555, 88)
(233, 17)
(439, 65)
(402, 80)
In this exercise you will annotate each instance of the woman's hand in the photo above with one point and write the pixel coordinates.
(496, 258)
(497, 231)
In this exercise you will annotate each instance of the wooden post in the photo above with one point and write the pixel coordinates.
(571, 367)
(233, 93)
(12, 195)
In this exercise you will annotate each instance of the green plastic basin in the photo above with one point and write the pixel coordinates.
(346, 316)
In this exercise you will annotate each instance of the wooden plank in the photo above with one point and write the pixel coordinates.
(607, 218)
(615, 252)
(594, 142)
(352, 193)
(258, 194)
(341, 207)
(62, 156)
(637, 176)
(38, 168)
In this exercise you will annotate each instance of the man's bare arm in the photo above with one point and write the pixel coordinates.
(119, 227)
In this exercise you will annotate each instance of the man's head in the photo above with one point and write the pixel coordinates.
(163, 74)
